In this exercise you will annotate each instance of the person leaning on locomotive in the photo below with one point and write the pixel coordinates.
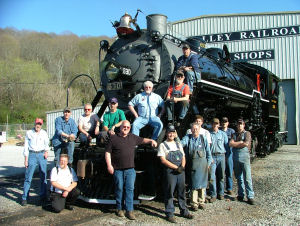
(189, 63)
(87, 125)
(111, 120)
(178, 96)
(148, 104)
(65, 135)
(119, 156)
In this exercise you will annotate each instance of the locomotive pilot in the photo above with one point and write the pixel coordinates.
(241, 145)
(188, 62)
(148, 104)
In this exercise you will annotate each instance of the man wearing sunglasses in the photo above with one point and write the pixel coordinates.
(119, 156)
(86, 125)
(65, 135)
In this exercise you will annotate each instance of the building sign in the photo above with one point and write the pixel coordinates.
(252, 34)
(253, 55)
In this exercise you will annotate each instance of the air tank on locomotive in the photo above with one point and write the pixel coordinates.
(232, 89)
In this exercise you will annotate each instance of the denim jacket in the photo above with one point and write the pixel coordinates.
(190, 61)
(61, 125)
(147, 104)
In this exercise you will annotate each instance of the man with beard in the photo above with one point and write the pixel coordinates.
(178, 98)
(148, 104)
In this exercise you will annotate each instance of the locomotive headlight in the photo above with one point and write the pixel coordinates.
(112, 71)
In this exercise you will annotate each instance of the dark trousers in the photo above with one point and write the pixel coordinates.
(171, 181)
(59, 202)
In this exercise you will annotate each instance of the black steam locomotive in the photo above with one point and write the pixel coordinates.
(232, 89)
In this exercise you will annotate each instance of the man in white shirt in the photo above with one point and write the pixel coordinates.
(87, 124)
(63, 185)
(36, 153)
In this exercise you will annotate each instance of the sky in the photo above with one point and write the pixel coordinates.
(93, 17)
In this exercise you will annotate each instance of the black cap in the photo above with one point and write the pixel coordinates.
(185, 46)
(171, 128)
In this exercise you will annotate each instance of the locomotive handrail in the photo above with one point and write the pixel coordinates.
(74, 80)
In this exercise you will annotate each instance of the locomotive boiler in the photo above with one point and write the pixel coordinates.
(226, 88)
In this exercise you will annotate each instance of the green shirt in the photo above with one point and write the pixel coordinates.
(111, 119)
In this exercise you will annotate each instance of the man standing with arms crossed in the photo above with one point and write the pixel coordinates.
(119, 156)
(36, 149)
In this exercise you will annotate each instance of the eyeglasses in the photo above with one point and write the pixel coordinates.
(87, 109)
(126, 127)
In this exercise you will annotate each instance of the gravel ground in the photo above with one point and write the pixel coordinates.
(277, 196)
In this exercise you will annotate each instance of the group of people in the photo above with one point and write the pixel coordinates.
(202, 159)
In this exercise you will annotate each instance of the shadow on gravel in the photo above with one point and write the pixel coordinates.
(152, 211)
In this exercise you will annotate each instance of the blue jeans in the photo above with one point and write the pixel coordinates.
(229, 171)
(140, 122)
(242, 172)
(180, 108)
(84, 139)
(124, 178)
(192, 77)
(70, 148)
(35, 159)
(217, 175)
(171, 180)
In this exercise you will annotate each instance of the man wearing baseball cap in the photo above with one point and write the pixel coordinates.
(36, 153)
(241, 146)
(111, 120)
(188, 62)
(65, 135)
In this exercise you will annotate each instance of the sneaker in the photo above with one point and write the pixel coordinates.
(69, 207)
(201, 206)
(213, 199)
(188, 216)
(24, 202)
(229, 192)
(130, 215)
(120, 213)
(220, 197)
(171, 219)
(251, 201)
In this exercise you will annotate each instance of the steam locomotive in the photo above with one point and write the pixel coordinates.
(226, 88)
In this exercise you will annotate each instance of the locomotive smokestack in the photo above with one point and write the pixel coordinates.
(157, 22)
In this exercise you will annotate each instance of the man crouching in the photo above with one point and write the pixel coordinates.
(63, 185)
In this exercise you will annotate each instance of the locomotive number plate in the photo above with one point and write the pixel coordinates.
(114, 86)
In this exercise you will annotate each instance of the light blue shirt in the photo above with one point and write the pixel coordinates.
(147, 104)
(219, 142)
(36, 141)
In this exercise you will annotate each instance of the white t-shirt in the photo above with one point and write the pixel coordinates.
(163, 151)
(203, 132)
(64, 177)
(88, 122)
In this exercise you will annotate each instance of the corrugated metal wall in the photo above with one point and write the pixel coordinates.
(286, 62)
(52, 115)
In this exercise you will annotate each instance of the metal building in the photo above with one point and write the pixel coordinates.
(270, 40)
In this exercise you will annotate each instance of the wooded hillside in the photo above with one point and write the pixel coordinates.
(36, 68)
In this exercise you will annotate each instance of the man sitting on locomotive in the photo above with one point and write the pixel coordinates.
(86, 125)
(188, 62)
(111, 120)
(178, 98)
(148, 104)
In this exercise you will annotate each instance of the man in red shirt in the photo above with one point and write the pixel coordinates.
(178, 97)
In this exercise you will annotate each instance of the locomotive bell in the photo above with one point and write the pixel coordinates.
(125, 21)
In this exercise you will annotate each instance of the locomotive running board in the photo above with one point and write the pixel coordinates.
(103, 201)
